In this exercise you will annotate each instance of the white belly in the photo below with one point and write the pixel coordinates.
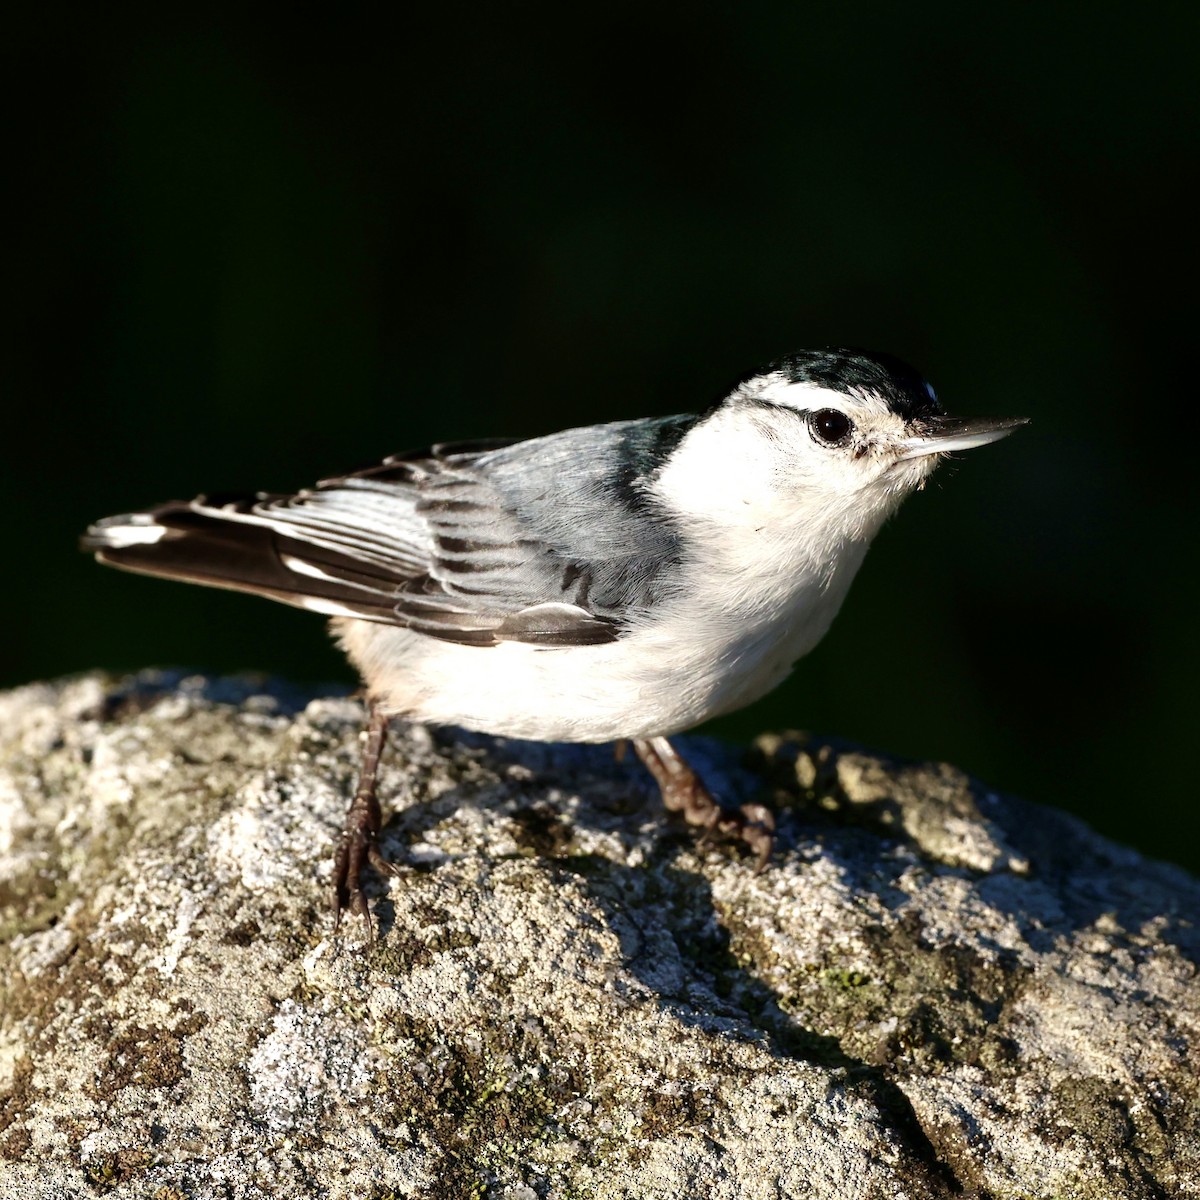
(691, 663)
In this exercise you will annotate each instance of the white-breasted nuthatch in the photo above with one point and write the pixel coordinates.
(621, 581)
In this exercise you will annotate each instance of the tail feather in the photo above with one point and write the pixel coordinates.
(176, 541)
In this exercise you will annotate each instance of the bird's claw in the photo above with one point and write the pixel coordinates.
(756, 827)
(682, 792)
(751, 824)
(357, 850)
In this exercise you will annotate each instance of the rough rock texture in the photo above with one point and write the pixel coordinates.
(932, 990)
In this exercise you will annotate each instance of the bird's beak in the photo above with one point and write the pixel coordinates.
(940, 435)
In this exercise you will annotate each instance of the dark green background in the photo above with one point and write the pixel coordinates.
(253, 253)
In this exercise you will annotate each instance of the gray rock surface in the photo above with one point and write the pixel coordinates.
(932, 991)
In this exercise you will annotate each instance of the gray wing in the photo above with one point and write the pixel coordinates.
(552, 541)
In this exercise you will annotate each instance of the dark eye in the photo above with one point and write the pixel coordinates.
(830, 426)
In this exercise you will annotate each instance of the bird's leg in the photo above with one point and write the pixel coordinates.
(358, 845)
(682, 792)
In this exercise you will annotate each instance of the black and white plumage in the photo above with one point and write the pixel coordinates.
(456, 542)
(616, 581)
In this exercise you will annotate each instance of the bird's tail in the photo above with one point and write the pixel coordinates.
(223, 545)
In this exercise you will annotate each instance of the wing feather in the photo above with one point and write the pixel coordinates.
(450, 543)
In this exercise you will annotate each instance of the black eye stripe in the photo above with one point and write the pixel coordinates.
(759, 402)
(828, 426)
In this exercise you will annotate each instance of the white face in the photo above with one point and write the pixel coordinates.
(797, 459)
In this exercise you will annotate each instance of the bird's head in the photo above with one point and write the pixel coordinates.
(824, 443)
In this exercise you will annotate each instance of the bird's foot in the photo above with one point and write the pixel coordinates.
(358, 845)
(357, 849)
(753, 824)
(683, 792)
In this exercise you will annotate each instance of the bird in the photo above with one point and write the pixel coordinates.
(620, 582)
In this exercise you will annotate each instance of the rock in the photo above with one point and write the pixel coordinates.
(933, 990)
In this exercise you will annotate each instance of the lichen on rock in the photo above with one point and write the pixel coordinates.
(933, 990)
